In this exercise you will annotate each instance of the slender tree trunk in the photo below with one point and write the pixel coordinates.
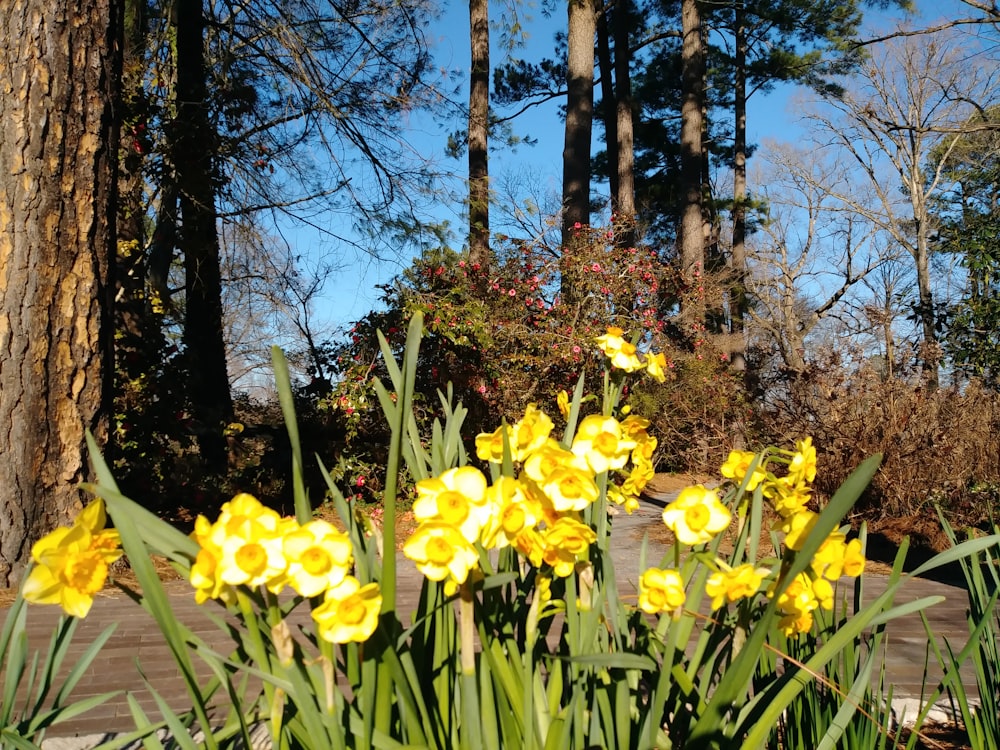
(691, 237)
(582, 21)
(61, 65)
(930, 352)
(130, 259)
(194, 150)
(609, 113)
(479, 106)
(737, 293)
(624, 205)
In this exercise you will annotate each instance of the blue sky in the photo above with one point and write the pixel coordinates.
(351, 293)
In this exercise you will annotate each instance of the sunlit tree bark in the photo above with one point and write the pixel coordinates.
(61, 64)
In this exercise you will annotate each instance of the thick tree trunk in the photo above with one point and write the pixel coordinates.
(582, 23)
(193, 153)
(479, 107)
(60, 65)
(691, 237)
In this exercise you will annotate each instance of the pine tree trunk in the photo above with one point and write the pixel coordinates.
(479, 106)
(625, 164)
(582, 23)
(60, 64)
(691, 238)
(606, 67)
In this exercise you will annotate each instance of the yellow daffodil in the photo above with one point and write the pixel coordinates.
(566, 541)
(635, 427)
(255, 561)
(797, 603)
(513, 508)
(796, 528)
(601, 442)
(530, 432)
(569, 488)
(823, 593)
(798, 595)
(456, 498)
(803, 463)
(205, 578)
(828, 562)
(530, 544)
(562, 401)
(246, 517)
(854, 559)
(611, 341)
(318, 557)
(247, 537)
(696, 515)
(618, 496)
(732, 584)
(738, 464)
(540, 463)
(349, 612)
(661, 591)
(489, 445)
(643, 451)
(655, 364)
(440, 550)
(638, 478)
(795, 623)
(71, 563)
(788, 495)
(622, 353)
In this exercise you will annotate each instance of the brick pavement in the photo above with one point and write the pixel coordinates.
(137, 638)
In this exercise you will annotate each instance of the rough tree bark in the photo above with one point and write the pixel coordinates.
(582, 26)
(58, 71)
(625, 195)
(691, 238)
(479, 107)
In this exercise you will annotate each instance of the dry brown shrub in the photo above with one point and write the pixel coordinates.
(937, 446)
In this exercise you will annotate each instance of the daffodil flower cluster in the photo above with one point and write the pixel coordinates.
(624, 355)
(251, 545)
(71, 563)
(538, 512)
(695, 517)
(788, 495)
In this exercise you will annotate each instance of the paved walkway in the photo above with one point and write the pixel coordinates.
(137, 638)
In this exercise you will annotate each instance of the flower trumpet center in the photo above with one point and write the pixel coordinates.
(352, 611)
(251, 558)
(453, 507)
(439, 552)
(315, 561)
(697, 517)
(86, 573)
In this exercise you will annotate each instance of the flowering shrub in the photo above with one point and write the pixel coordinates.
(543, 648)
(503, 337)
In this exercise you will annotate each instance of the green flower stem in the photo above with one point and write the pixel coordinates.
(471, 721)
(256, 641)
(329, 665)
(532, 724)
